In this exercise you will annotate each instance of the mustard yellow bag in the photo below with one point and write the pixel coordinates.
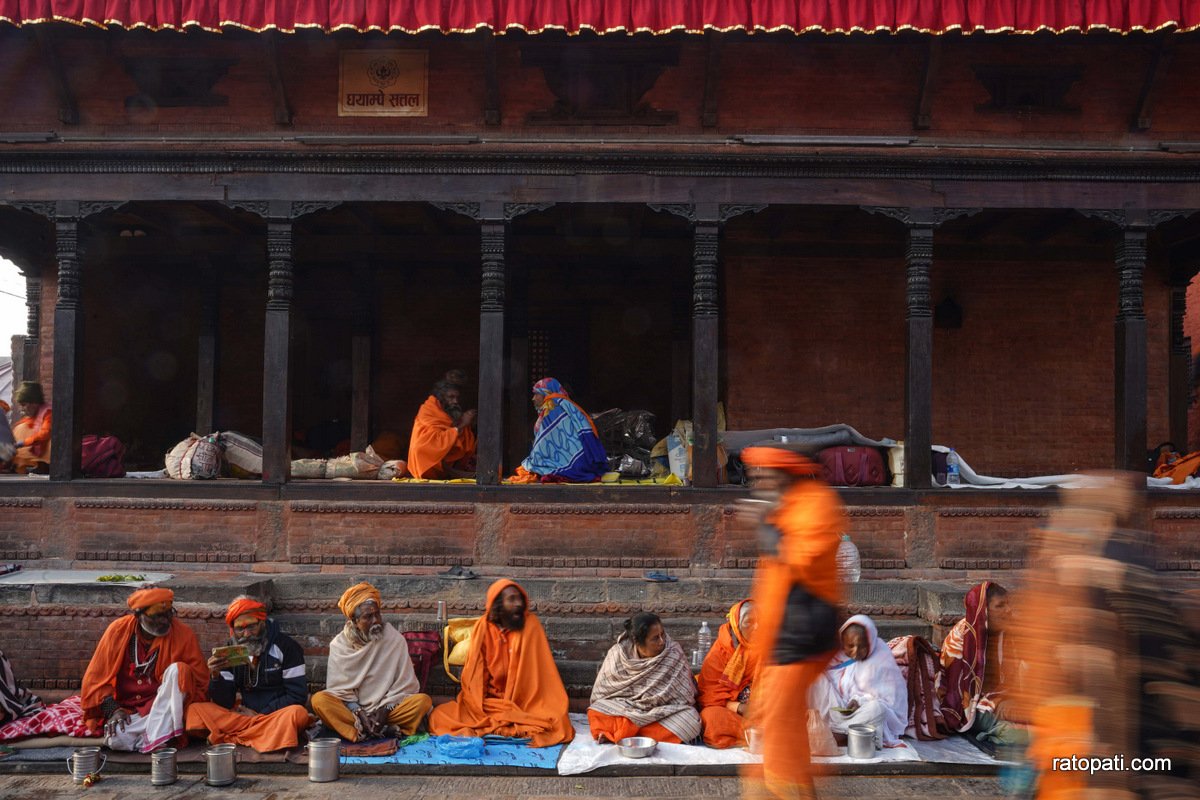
(456, 642)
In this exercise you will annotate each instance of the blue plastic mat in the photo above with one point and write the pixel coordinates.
(494, 755)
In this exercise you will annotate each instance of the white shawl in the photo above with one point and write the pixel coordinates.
(875, 678)
(378, 674)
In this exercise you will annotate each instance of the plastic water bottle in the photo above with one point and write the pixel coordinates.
(704, 640)
(953, 478)
(848, 564)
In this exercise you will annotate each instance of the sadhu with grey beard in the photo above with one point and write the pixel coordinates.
(259, 704)
(370, 689)
(443, 442)
(147, 667)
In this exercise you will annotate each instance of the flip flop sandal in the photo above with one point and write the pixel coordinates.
(659, 577)
(458, 573)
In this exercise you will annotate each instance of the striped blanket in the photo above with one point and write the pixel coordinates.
(645, 690)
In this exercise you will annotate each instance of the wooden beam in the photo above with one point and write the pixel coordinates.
(283, 109)
(1155, 70)
(68, 108)
(923, 118)
(1179, 367)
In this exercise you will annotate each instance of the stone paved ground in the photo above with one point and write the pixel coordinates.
(406, 787)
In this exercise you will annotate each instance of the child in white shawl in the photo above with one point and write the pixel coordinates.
(863, 685)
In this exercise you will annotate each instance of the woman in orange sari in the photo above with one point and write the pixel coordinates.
(796, 594)
(31, 433)
(725, 679)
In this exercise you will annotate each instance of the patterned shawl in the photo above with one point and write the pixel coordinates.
(963, 655)
(15, 701)
(646, 690)
(565, 442)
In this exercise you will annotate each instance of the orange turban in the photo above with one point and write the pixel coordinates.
(356, 595)
(144, 598)
(243, 606)
(778, 458)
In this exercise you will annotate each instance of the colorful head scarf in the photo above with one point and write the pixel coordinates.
(735, 668)
(781, 459)
(565, 442)
(245, 606)
(966, 644)
(144, 599)
(355, 596)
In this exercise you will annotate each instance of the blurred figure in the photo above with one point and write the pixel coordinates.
(725, 679)
(31, 432)
(796, 594)
(1113, 667)
(863, 685)
(644, 687)
(977, 673)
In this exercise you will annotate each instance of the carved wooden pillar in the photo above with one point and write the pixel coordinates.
(68, 339)
(277, 394)
(1130, 358)
(918, 366)
(280, 216)
(705, 330)
(493, 218)
(206, 348)
(1180, 366)
(918, 347)
(33, 326)
(491, 348)
(1130, 341)
(360, 359)
(706, 219)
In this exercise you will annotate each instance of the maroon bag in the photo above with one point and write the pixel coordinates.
(102, 457)
(852, 466)
(423, 648)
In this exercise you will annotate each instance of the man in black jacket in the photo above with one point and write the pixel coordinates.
(256, 699)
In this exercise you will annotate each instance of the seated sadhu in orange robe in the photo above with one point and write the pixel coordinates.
(442, 444)
(510, 685)
(724, 680)
(260, 704)
(146, 669)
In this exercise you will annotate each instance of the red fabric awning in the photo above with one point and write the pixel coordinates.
(657, 16)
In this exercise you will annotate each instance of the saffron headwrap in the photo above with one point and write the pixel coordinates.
(355, 596)
(245, 606)
(778, 458)
(735, 667)
(144, 598)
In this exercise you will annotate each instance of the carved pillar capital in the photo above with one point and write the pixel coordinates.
(1131, 267)
(492, 242)
(33, 307)
(704, 270)
(921, 217)
(66, 247)
(279, 264)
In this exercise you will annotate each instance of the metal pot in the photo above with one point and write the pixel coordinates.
(163, 769)
(323, 755)
(84, 761)
(221, 768)
(860, 741)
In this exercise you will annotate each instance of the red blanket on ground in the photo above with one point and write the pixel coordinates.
(61, 719)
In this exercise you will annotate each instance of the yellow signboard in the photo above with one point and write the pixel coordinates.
(384, 83)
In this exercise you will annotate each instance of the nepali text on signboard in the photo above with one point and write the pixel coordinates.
(384, 83)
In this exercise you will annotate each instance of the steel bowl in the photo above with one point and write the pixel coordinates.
(636, 746)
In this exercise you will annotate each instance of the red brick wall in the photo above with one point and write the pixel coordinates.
(651, 535)
(403, 534)
(818, 83)
(1191, 328)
